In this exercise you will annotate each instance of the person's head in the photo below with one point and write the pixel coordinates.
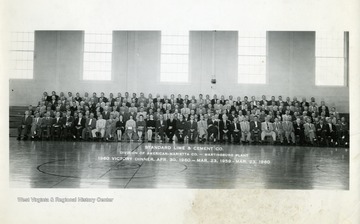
(342, 119)
(298, 120)
(131, 117)
(141, 118)
(192, 117)
(151, 117)
(255, 118)
(321, 121)
(206, 116)
(57, 114)
(308, 120)
(91, 115)
(181, 117)
(80, 115)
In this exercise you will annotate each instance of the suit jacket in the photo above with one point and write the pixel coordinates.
(57, 122)
(333, 127)
(91, 125)
(193, 125)
(267, 127)
(82, 122)
(321, 129)
(245, 126)
(222, 125)
(104, 99)
(26, 121)
(46, 122)
(161, 126)
(68, 121)
(288, 126)
(253, 128)
(171, 124)
(37, 122)
(309, 127)
(298, 128)
(278, 126)
(181, 125)
(106, 115)
(237, 125)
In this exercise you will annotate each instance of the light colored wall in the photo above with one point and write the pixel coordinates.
(136, 67)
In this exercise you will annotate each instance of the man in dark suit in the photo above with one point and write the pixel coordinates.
(161, 128)
(225, 129)
(78, 126)
(57, 125)
(103, 98)
(78, 98)
(214, 100)
(25, 126)
(171, 128)
(67, 124)
(213, 128)
(106, 113)
(332, 131)
(321, 131)
(192, 133)
(236, 131)
(299, 130)
(179, 100)
(89, 126)
(255, 129)
(181, 129)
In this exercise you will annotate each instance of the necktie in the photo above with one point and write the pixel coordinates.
(235, 126)
(79, 121)
(267, 126)
(90, 121)
(224, 124)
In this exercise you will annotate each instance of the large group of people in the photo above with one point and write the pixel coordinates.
(194, 119)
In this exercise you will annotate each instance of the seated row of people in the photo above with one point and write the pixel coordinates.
(208, 127)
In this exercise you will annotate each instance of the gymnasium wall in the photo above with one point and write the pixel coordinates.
(136, 67)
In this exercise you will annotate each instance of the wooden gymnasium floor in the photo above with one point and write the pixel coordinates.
(55, 164)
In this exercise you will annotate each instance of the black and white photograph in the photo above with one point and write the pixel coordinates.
(207, 111)
(171, 109)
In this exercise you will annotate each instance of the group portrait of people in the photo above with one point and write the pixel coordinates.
(200, 119)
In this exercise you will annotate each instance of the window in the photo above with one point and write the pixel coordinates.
(97, 56)
(22, 55)
(330, 59)
(252, 58)
(174, 57)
